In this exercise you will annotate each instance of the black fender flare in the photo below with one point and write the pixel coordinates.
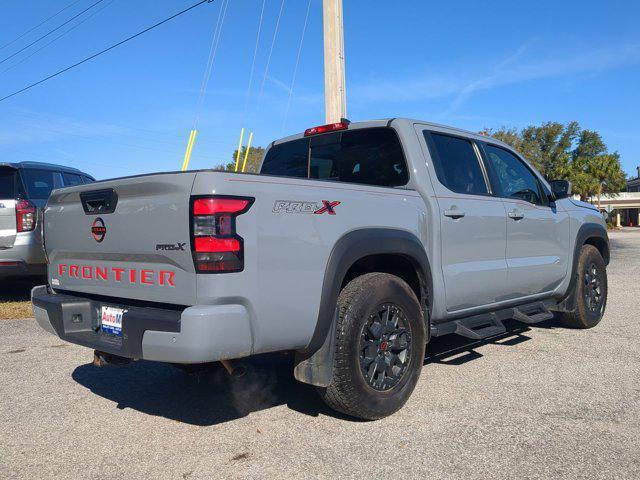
(585, 232)
(314, 364)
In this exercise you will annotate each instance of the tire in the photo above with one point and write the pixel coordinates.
(590, 292)
(360, 388)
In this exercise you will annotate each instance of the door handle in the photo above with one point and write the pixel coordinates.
(454, 213)
(516, 214)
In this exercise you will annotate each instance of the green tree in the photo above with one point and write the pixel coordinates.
(548, 147)
(510, 136)
(253, 160)
(598, 175)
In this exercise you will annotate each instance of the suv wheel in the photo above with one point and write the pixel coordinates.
(591, 290)
(379, 348)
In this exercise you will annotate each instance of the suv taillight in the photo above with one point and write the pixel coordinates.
(25, 216)
(216, 246)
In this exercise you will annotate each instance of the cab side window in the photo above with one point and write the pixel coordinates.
(456, 163)
(514, 178)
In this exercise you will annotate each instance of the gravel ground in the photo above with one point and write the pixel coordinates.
(544, 402)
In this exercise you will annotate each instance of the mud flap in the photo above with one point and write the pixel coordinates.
(317, 368)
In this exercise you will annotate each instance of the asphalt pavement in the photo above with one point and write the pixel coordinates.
(541, 402)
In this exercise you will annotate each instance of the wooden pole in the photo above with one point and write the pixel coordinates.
(334, 73)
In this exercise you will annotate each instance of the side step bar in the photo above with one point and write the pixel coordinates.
(490, 324)
(479, 327)
(530, 319)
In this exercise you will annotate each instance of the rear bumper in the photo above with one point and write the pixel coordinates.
(25, 257)
(198, 334)
(19, 268)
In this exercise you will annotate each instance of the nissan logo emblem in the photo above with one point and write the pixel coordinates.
(98, 230)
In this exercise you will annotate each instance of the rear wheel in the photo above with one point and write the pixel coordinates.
(379, 348)
(591, 290)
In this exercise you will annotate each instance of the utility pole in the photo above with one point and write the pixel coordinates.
(334, 76)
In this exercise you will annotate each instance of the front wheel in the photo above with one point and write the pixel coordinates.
(379, 348)
(591, 290)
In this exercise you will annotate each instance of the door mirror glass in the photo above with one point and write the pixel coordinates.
(561, 188)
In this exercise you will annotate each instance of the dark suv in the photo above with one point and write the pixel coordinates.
(24, 190)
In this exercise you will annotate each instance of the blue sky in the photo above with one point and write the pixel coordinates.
(469, 64)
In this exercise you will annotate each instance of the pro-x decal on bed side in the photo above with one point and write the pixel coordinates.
(298, 206)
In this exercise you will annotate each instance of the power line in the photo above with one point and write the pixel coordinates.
(273, 42)
(91, 15)
(50, 31)
(91, 57)
(211, 60)
(253, 62)
(295, 69)
(38, 25)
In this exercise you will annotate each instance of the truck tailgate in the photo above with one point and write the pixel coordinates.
(138, 250)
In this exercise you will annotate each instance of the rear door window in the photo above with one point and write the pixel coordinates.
(456, 163)
(7, 183)
(71, 179)
(371, 156)
(39, 183)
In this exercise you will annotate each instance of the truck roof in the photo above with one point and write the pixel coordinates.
(385, 122)
(42, 166)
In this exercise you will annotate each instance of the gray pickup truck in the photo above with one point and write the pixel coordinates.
(354, 246)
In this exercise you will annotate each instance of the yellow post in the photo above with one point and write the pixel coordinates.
(246, 154)
(187, 154)
(239, 148)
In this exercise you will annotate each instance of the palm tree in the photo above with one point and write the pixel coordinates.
(598, 175)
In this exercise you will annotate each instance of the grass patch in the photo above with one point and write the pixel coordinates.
(15, 297)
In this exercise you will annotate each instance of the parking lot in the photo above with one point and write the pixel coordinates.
(542, 402)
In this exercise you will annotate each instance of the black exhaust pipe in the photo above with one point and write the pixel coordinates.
(100, 359)
(233, 368)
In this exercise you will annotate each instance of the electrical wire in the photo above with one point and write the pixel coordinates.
(253, 62)
(295, 69)
(273, 42)
(50, 31)
(38, 25)
(211, 60)
(91, 15)
(91, 57)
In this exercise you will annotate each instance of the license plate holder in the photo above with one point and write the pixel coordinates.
(111, 320)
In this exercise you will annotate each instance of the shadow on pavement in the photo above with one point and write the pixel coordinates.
(204, 398)
(211, 397)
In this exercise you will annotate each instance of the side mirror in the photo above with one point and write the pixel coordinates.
(561, 188)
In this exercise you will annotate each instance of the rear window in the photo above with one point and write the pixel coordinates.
(7, 183)
(371, 156)
(40, 183)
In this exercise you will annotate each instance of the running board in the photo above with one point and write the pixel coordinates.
(478, 328)
(531, 319)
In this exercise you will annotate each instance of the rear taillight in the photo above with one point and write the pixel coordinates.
(25, 216)
(216, 246)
